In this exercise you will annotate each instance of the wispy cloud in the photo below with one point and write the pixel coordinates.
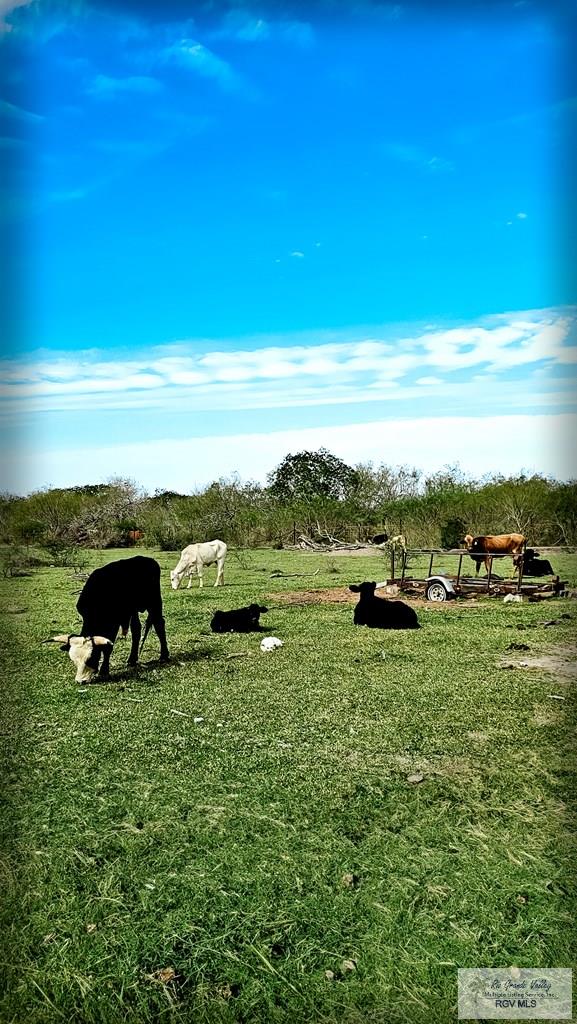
(363, 370)
(16, 113)
(411, 154)
(194, 56)
(8, 143)
(107, 87)
(541, 115)
(134, 149)
(244, 26)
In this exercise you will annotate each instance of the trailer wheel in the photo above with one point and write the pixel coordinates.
(436, 592)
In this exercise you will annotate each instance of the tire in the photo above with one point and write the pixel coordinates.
(436, 591)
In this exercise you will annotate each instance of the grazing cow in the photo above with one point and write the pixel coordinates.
(133, 536)
(480, 548)
(380, 538)
(193, 560)
(110, 600)
(533, 565)
(379, 613)
(241, 620)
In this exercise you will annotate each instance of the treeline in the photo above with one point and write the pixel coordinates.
(310, 493)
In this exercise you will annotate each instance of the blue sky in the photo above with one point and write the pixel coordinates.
(240, 229)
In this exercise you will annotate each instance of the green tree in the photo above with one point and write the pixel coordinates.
(308, 476)
(452, 533)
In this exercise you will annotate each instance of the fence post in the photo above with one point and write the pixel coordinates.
(294, 534)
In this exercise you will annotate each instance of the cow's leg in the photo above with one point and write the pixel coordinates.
(135, 632)
(199, 571)
(160, 630)
(104, 670)
(219, 573)
(189, 579)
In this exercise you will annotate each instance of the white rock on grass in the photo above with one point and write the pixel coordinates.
(270, 643)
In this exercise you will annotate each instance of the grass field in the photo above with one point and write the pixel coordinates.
(204, 841)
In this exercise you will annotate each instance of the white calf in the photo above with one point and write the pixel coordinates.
(193, 560)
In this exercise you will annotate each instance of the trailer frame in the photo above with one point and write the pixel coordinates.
(458, 585)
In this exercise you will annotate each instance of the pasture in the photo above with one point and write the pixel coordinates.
(319, 834)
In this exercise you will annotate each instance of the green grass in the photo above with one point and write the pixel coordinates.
(136, 839)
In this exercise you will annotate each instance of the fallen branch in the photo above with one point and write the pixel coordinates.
(287, 574)
(331, 544)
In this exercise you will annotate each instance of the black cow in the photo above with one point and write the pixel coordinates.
(110, 601)
(379, 613)
(533, 565)
(380, 538)
(240, 620)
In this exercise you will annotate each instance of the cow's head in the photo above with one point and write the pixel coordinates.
(467, 541)
(175, 578)
(525, 556)
(84, 651)
(366, 589)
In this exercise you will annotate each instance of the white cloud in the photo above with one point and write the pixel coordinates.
(518, 343)
(299, 255)
(335, 372)
(542, 443)
(189, 53)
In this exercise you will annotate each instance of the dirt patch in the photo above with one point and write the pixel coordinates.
(342, 595)
(452, 767)
(547, 716)
(560, 661)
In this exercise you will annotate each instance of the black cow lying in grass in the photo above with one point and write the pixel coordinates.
(533, 565)
(379, 613)
(110, 600)
(240, 620)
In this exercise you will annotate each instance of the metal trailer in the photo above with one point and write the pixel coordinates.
(445, 586)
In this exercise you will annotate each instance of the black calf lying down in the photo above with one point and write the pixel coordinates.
(533, 565)
(379, 613)
(241, 620)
